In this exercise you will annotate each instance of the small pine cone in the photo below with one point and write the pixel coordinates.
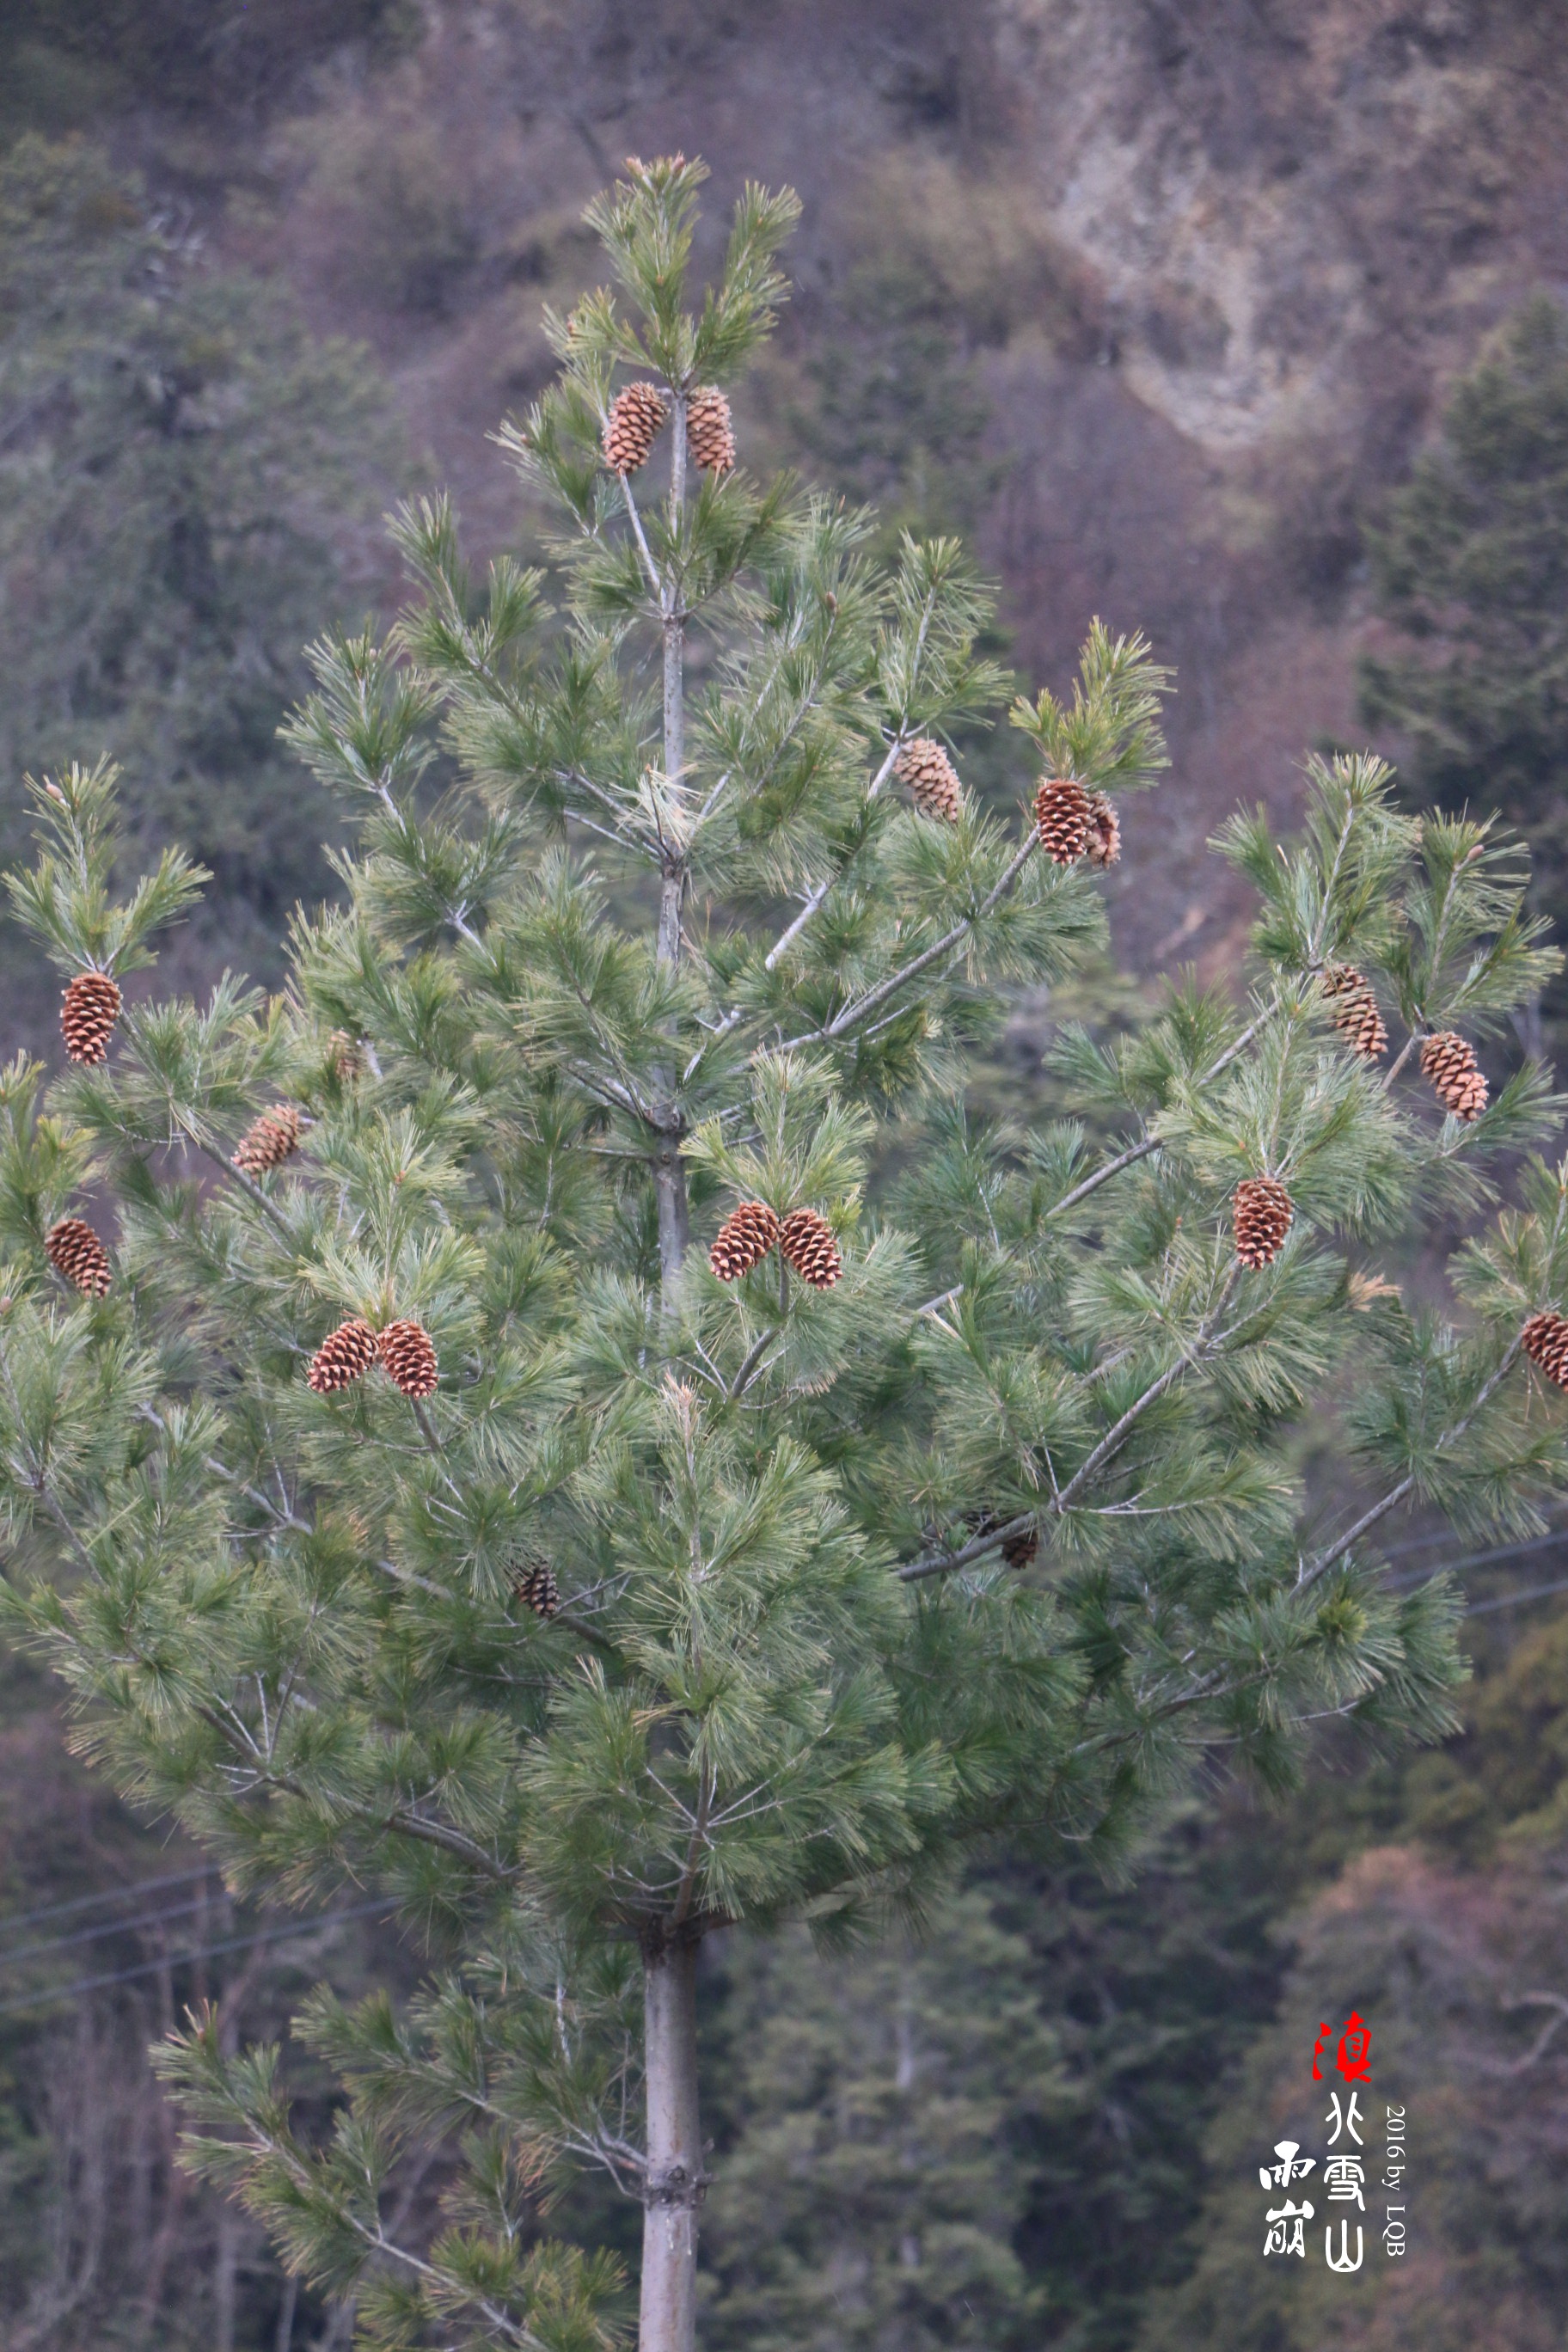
(407, 1357)
(1062, 814)
(343, 1356)
(744, 1240)
(1545, 1342)
(1104, 831)
(1020, 1549)
(635, 424)
(709, 433)
(1263, 1214)
(74, 1250)
(274, 1137)
(806, 1241)
(1447, 1060)
(533, 1581)
(931, 778)
(345, 1058)
(89, 1011)
(1352, 1008)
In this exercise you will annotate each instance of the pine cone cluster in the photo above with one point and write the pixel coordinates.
(806, 1243)
(408, 1357)
(635, 424)
(74, 1250)
(90, 1008)
(931, 778)
(744, 1240)
(1104, 845)
(1448, 1061)
(1262, 1214)
(710, 431)
(1545, 1342)
(343, 1356)
(533, 1581)
(1352, 1008)
(273, 1138)
(1062, 814)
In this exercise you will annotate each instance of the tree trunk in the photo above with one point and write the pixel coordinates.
(669, 2316)
(669, 1173)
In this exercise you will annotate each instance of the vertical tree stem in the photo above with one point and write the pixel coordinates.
(669, 1173)
(667, 2321)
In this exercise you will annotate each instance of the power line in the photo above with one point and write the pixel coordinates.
(1507, 1600)
(109, 1894)
(109, 1928)
(1479, 1559)
(184, 1959)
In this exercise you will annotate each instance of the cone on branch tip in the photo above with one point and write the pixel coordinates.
(806, 1243)
(1448, 1061)
(709, 430)
(1063, 811)
(1104, 845)
(408, 1357)
(1544, 1339)
(273, 1138)
(74, 1250)
(931, 778)
(343, 1356)
(1262, 1212)
(89, 1007)
(345, 1058)
(533, 1581)
(635, 424)
(1352, 1010)
(744, 1240)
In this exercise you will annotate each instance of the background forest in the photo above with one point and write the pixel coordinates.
(1237, 323)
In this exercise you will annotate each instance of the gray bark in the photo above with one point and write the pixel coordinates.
(669, 1174)
(667, 2321)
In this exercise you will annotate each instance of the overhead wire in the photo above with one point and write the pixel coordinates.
(131, 1891)
(287, 1928)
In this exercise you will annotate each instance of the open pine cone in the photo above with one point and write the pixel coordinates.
(1352, 1008)
(744, 1240)
(1062, 813)
(1450, 1063)
(533, 1581)
(74, 1250)
(408, 1357)
(274, 1137)
(806, 1243)
(1262, 1214)
(931, 778)
(1104, 847)
(635, 424)
(710, 431)
(89, 1007)
(1545, 1342)
(343, 1356)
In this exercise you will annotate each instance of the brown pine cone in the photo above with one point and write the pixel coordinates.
(343, 1356)
(744, 1240)
(1104, 831)
(74, 1250)
(90, 1008)
(931, 778)
(1447, 1060)
(1545, 1342)
(1352, 1008)
(1262, 1214)
(533, 1581)
(407, 1357)
(635, 424)
(1062, 812)
(1020, 1549)
(709, 433)
(345, 1058)
(273, 1138)
(806, 1243)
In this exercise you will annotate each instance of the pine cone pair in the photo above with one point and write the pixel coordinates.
(1545, 1342)
(931, 778)
(1063, 814)
(710, 431)
(89, 1007)
(533, 1581)
(274, 1137)
(1262, 1213)
(1104, 845)
(1352, 1010)
(804, 1240)
(74, 1250)
(1449, 1062)
(635, 424)
(345, 1355)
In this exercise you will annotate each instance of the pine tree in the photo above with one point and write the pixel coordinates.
(986, 1523)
